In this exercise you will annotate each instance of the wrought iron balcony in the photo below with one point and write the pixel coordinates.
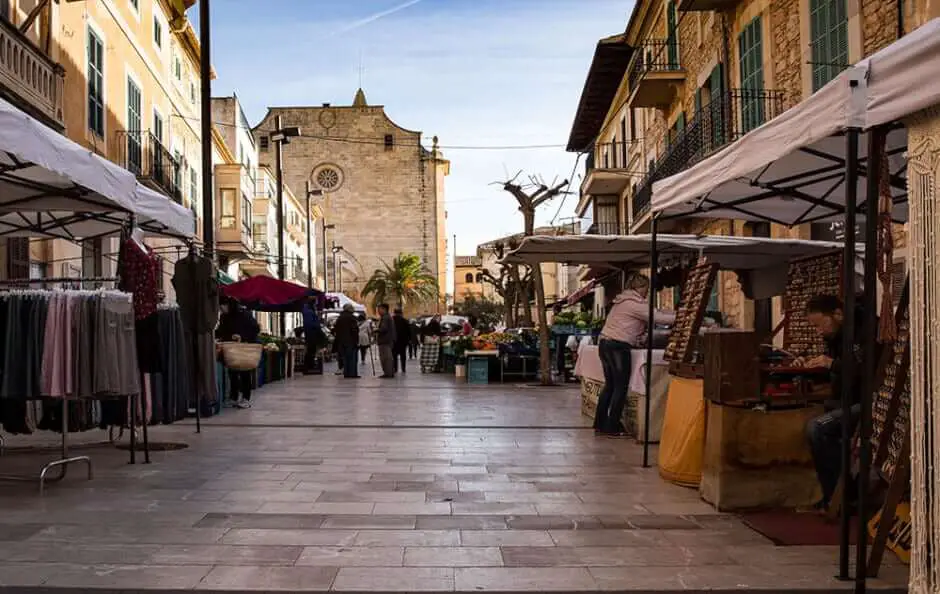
(728, 117)
(601, 169)
(654, 73)
(29, 77)
(144, 155)
(706, 5)
(612, 155)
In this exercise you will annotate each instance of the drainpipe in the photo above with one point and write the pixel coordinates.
(900, 14)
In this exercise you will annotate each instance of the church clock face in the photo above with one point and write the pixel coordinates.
(327, 118)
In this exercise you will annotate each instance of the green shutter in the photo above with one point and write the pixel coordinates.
(680, 122)
(672, 39)
(716, 109)
(829, 40)
(750, 53)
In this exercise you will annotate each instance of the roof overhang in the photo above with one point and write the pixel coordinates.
(611, 58)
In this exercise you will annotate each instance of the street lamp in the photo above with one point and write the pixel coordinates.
(336, 249)
(325, 268)
(341, 262)
(279, 136)
(311, 192)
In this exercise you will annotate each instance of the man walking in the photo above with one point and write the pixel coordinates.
(385, 338)
(402, 339)
(313, 335)
(346, 335)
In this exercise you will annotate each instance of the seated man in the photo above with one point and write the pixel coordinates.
(825, 313)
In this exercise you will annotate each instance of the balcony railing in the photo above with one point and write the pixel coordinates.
(654, 55)
(607, 228)
(610, 155)
(30, 74)
(727, 118)
(144, 155)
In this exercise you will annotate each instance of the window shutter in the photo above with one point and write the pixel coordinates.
(829, 39)
(18, 258)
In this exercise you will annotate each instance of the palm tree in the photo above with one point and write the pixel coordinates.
(406, 280)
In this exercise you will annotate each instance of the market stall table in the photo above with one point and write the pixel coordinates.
(478, 366)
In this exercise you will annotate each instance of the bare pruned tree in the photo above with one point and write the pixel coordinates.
(530, 197)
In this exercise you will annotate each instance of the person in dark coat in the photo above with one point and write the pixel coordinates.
(414, 339)
(236, 324)
(402, 339)
(313, 334)
(346, 337)
(385, 338)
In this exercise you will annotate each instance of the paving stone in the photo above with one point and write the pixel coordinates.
(408, 538)
(514, 579)
(226, 555)
(251, 536)
(661, 522)
(504, 538)
(123, 576)
(607, 556)
(20, 532)
(282, 521)
(371, 497)
(290, 579)
(418, 509)
(462, 523)
(370, 522)
(554, 523)
(405, 579)
(352, 556)
(456, 497)
(453, 557)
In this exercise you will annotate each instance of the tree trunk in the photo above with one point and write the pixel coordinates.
(545, 356)
(527, 302)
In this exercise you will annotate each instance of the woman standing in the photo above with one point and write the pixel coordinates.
(625, 329)
(431, 349)
(236, 324)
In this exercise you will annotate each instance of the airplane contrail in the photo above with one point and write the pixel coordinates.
(374, 17)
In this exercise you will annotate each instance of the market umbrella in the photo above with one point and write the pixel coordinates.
(263, 293)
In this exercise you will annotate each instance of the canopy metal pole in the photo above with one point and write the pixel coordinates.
(848, 340)
(876, 139)
(205, 76)
(654, 265)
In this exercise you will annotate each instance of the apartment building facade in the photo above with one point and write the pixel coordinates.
(468, 279)
(687, 77)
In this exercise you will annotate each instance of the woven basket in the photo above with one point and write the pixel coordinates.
(241, 356)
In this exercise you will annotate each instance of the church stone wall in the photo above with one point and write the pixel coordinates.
(386, 202)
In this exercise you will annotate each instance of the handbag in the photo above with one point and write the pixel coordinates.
(241, 356)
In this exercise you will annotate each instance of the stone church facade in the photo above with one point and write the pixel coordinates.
(382, 189)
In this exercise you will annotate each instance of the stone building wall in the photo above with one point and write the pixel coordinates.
(786, 49)
(879, 24)
(384, 200)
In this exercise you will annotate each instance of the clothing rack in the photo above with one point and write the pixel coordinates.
(65, 459)
(62, 463)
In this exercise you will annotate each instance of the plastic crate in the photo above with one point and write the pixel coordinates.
(478, 370)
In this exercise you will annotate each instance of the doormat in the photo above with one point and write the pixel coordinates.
(787, 528)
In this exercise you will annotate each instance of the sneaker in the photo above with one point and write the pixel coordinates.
(243, 404)
(338, 372)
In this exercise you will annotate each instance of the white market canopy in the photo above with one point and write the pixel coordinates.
(51, 187)
(342, 301)
(730, 253)
(792, 169)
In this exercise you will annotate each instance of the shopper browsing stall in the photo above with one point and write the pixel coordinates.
(825, 313)
(624, 329)
(346, 337)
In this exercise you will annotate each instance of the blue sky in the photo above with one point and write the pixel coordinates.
(473, 72)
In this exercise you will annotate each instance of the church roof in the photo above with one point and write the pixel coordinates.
(360, 99)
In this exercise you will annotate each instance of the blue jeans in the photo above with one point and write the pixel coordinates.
(824, 434)
(350, 361)
(616, 360)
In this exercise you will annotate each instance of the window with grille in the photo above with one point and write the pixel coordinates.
(829, 40)
(134, 151)
(389, 142)
(264, 143)
(95, 84)
(193, 187)
(751, 56)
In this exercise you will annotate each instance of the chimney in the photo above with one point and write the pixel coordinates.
(326, 105)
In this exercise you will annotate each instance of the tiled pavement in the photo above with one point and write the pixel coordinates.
(415, 484)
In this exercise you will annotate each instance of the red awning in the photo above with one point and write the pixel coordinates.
(263, 293)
